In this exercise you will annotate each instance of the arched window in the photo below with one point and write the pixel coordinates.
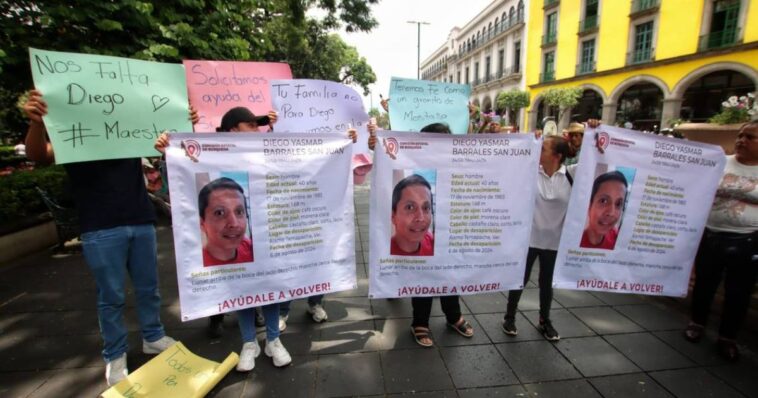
(512, 16)
(502, 17)
(489, 28)
(496, 21)
(520, 10)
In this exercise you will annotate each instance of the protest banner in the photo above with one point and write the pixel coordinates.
(217, 86)
(176, 372)
(637, 212)
(417, 103)
(102, 107)
(450, 215)
(319, 106)
(260, 218)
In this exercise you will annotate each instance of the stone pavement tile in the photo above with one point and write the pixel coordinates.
(535, 361)
(51, 298)
(530, 300)
(493, 392)
(605, 320)
(234, 384)
(21, 384)
(492, 325)
(349, 309)
(445, 336)
(575, 298)
(654, 317)
(648, 352)
(629, 386)
(620, 298)
(741, 375)
(694, 383)
(703, 353)
(485, 303)
(564, 322)
(562, 389)
(477, 366)
(593, 356)
(394, 334)
(49, 323)
(21, 352)
(415, 370)
(172, 319)
(349, 375)
(80, 382)
(402, 308)
(298, 338)
(266, 380)
(428, 394)
(344, 337)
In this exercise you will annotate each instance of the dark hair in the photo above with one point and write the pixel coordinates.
(605, 177)
(413, 179)
(749, 125)
(560, 146)
(440, 128)
(215, 185)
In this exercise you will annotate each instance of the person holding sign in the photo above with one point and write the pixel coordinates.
(554, 183)
(606, 208)
(223, 221)
(729, 246)
(574, 134)
(118, 238)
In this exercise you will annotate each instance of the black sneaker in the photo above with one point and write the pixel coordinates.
(509, 327)
(547, 330)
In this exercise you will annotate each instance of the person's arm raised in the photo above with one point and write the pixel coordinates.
(38, 148)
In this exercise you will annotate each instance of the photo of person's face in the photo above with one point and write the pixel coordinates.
(606, 208)
(224, 222)
(412, 217)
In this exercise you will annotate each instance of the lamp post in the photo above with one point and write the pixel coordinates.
(418, 42)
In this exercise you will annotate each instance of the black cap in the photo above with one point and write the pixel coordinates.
(238, 115)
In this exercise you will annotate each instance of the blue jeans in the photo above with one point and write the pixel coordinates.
(284, 308)
(111, 254)
(246, 320)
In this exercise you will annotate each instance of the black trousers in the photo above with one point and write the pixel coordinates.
(547, 267)
(422, 307)
(731, 257)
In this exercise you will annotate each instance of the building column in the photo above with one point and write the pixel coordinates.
(532, 119)
(671, 110)
(609, 113)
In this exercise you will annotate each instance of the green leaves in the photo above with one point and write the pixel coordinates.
(108, 24)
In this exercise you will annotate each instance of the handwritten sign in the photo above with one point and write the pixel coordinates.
(217, 86)
(418, 103)
(319, 106)
(176, 372)
(102, 107)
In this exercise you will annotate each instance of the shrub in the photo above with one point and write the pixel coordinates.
(19, 199)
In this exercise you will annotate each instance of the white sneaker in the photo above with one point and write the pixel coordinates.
(115, 370)
(157, 346)
(276, 350)
(318, 313)
(250, 351)
(283, 322)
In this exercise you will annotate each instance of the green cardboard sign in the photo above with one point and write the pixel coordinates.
(102, 107)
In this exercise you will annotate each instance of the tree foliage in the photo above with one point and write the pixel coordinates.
(513, 100)
(382, 118)
(172, 30)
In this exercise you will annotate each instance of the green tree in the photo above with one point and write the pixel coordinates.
(172, 30)
(382, 118)
(513, 100)
(562, 98)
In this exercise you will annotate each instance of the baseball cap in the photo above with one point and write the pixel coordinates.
(238, 115)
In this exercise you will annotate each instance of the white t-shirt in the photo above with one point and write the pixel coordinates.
(550, 205)
(735, 208)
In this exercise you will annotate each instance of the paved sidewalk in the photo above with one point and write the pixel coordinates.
(612, 345)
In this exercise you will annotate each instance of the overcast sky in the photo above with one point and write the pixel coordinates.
(390, 48)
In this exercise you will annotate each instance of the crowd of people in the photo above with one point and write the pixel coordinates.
(118, 239)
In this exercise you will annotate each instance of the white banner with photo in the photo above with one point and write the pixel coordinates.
(450, 215)
(260, 218)
(637, 211)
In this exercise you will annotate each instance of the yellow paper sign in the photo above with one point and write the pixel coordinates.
(176, 372)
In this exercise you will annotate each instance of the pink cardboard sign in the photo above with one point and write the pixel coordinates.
(216, 86)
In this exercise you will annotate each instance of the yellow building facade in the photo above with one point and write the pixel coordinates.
(644, 63)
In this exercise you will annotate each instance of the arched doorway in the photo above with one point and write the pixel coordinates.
(704, 96)
(590, 106)
(543, 111)
(641, 105)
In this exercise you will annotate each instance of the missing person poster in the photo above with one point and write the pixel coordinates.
(450, 215)
(637, 211)
(260, 218)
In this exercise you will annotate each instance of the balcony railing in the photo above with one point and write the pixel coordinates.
(644, 5)
(589, 23)
(549, 39)
(639, 57)
(491, 34)
(585, 67)
(548, 76)
(550, 3)
(713, 40)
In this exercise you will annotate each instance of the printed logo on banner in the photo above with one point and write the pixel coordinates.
(192, 149)
(391, 147)
(603, 139)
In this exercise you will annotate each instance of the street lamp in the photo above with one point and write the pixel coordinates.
(418, 41)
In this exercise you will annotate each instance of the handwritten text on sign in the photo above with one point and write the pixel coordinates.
(418, 103)
(102, 107)
(217, 86)
(318, 106)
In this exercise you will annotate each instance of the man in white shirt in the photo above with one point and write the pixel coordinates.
(554, 189)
